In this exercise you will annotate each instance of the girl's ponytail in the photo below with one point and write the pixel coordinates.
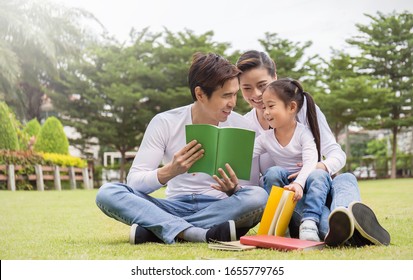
(312, 121)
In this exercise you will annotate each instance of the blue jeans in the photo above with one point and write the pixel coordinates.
(168, 217)
(315, 192)
(343, 190)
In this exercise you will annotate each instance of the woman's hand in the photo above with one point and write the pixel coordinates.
(228, 185)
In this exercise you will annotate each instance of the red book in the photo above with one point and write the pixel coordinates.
(280, 243)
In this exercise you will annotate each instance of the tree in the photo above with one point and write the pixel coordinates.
(115, 92)
(290, 60)
(8, 135)
(36, 40)
(345, 93)
(386, 54)
(52, 138)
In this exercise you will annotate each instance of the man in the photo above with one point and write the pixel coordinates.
(198, 207)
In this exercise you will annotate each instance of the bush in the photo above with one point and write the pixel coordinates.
(63, 160)
(28, 159)
(52, 138)
(8, 135)
(24, 158)
(32, 128)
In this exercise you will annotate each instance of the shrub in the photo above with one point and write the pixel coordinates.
(33, 127)
(8, 135)
(20, 158)
(52, 138)
(63, 160)
(27, 160)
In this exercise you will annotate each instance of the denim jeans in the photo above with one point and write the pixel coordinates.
(315, 191)
(168, 217)
(343, 190)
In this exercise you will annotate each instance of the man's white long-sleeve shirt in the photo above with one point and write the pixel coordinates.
(165, 136)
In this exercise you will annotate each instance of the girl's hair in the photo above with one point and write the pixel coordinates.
(210, 71)
(289, 90)
(255, 59)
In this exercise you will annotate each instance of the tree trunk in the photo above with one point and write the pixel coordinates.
(33, 98)
(393, 157)
(122, 166)
(347, 151)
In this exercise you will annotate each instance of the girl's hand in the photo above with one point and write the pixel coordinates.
(297, 189)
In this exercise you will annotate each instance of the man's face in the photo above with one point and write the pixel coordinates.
(222, 102)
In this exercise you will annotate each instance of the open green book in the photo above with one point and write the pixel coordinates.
(222, 145)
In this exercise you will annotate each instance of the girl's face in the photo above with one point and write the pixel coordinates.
(276, 112)
(252, 84)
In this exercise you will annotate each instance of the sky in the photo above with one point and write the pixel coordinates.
(327, 23)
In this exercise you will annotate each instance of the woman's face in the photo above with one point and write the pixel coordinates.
(252, 84)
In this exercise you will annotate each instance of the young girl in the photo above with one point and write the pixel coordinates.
(290, 142)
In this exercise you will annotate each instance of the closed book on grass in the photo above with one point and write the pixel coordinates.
(230, 246)
(222, 145)
(281, 243)
(277, 213)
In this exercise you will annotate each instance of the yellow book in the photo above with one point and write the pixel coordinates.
(277, 213)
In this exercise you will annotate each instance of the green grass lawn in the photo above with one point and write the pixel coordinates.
(67, 225)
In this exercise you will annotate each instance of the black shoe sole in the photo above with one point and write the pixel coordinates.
(357, 240)
(341, 228)
(366, 223)
(141, 235)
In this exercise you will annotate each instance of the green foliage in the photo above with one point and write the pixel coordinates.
(377, 148)
(24, 158)
(8, 135)
(22, 136)
(121, 87)
(386, 54)
(52, 138)
(36, 40)
(62, 160)
(33, 127)
(290, 60)
(346, 96)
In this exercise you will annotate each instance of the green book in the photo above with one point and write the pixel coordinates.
(222, 145)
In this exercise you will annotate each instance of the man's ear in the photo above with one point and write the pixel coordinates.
(199, 94)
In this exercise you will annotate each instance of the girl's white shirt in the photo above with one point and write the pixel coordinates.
(332, 155)
(301, 148)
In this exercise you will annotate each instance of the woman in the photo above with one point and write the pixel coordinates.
(342, 220)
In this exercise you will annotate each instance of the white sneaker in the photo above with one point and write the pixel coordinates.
(309, 231)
